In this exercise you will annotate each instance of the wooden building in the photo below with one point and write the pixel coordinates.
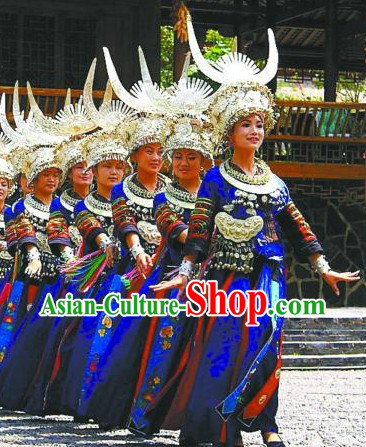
(52, 44)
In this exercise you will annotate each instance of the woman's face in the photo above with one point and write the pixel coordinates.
(109, 173)
(248, 133)
(186, 164)
(148, 158)
(4, 188)
(78, 177)
(47, 181)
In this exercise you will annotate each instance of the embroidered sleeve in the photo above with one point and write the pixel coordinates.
(57, 229)
(201, 222)
(10, 231)
(88, 225)
(26, 233)
(123, 217)
(298, 232)
(169, 223)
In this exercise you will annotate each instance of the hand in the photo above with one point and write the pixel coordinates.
(111, 253)
(332, 278)
(179, 282)
(143, 261)
(33, 268)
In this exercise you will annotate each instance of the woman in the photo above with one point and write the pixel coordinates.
(38, 265)
(231, 382)
(166, 348)
(6, 237)
(62, 232)
(113, 361)
(56, 387)
(32, 335)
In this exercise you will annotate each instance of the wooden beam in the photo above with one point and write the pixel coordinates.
(330, 52)
(318, 170)
(316, 139)
(287, 14)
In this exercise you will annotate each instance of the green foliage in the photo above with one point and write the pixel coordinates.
(215, 46)
(167, 49)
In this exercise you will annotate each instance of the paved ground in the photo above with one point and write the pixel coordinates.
(317, 409)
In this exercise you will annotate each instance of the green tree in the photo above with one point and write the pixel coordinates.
(167, 49)
(215, 46)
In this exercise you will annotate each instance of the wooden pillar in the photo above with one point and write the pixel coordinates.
(110, 33)
(180, 51)
(59, 50)
(237, 22)
(149, 34)
(330, 56)
(271, 23)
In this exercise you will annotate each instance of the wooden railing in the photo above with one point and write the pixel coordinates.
(334, 128)
(338, 121)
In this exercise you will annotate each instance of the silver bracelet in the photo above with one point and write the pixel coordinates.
(136, 250)
(67, 253)
(104, 242)
(321, 265)
(186, 268)
(33, 253)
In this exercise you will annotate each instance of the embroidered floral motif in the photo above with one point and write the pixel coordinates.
(107, 322)
(122, 214)
(86, 223)
(57, 227)
(166, 345)
(166, 332)
(101, 332)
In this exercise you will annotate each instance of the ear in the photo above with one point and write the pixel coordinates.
(133, 156)
(206, 163)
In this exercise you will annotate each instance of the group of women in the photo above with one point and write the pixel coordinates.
(138, 230)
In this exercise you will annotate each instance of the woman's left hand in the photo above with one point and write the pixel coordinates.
(332, 278)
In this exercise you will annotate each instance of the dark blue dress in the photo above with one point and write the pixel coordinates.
(21, 347)
(114, 358)
(167, 345)
(57, 386)
(231, 381)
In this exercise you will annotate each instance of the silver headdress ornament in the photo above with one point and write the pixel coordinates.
(184, 107)
(234, 68)
(70, 121)
(68, 154)
(112, 113)
(137, 97)
(27, 133)
(105, 145)
(38, 159)
(242, 91)
(189, 96)
(148, 130)
(33, 149)
(6, 167)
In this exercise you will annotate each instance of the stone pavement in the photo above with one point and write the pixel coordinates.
(317, 409)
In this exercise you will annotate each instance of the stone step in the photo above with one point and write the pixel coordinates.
(324, 335)
(325, 323)
(318, 347)
(327, 360)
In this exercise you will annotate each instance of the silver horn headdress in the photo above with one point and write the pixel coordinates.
(70, 121)
(112, 113)
(185, 105)
(137, 98)
(242, 91)
(234, 67)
